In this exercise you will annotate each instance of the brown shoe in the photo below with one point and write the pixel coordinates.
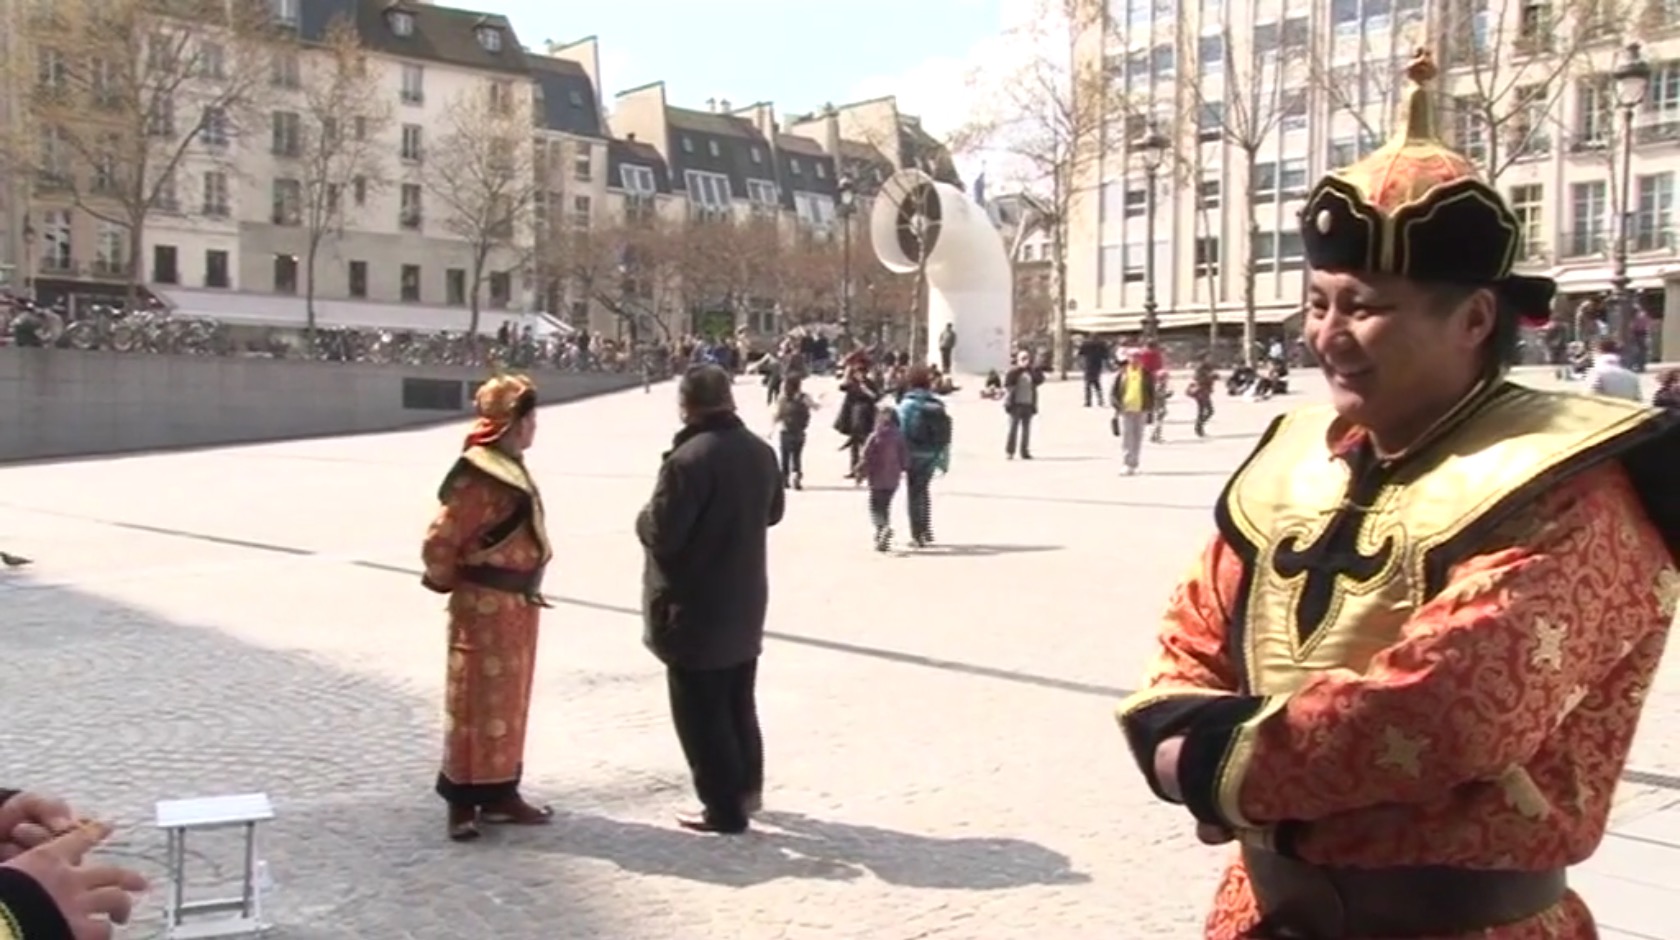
(463, 823)
(516, 812)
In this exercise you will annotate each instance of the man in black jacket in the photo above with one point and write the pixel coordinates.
(705, 587)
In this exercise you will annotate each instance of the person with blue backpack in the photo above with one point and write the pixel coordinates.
(927, 429)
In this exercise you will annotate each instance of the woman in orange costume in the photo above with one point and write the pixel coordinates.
(487, 550)
(1406, 673)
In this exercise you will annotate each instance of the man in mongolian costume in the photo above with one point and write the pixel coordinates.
(487, 549)
(1406, 672)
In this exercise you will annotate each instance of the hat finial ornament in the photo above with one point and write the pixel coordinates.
(1419, 114)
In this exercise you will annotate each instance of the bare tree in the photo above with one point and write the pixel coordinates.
(341, 146)
(1051, 115)
(630, 270)
(483, 173)
(117, 96)
(1246, 88)
(808, 278)
(1508, 65)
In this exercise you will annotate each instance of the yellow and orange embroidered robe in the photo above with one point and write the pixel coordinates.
(491, 515)
(1471, 709)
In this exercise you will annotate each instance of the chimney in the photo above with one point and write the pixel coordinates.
(711, 105)
(831, 134)
(723, 105)
(630, 137)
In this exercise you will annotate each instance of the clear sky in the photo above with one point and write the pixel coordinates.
(795, 53)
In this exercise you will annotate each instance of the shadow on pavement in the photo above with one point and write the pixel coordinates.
(939, 550)
(114, 707)
(792, 845)
(1201, 508)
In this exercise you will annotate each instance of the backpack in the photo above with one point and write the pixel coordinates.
(930, 426)
(796, 414)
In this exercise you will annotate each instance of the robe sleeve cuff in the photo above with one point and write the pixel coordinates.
(1215, 757)
(27, 911)
(1153, 716)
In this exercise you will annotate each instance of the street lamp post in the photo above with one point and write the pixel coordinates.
(1151, 149)
(847, 205)
(1633, 78)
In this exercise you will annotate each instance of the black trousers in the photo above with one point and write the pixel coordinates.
(716, 716)
(1204, 411)
(919, 501)
(880, 507)
(793, 455)
(1094, 393)
(1020, 429)
(945, 361)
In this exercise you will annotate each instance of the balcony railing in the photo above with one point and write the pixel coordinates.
(1661, 132)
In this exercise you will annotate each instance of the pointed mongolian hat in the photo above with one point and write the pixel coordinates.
(1418, 209)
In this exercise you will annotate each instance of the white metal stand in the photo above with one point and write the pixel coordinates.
(178, 817)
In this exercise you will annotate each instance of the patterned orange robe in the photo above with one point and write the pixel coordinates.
(1491, 736)
(492, 636)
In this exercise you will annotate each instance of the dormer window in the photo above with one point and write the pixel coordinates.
(822, 172)
(757, 155)
(688, 144)
(711, 145)
(794, 166)
(490, 38)
(402, 23)
(576, 98)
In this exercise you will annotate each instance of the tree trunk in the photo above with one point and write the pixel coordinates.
(136, 247)
(479, 255)
(1204, 220)
(1250, 275)
(310, 252)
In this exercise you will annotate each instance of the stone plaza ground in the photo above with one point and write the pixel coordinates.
(942, 755)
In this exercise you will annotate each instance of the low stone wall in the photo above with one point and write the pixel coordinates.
(65, 403)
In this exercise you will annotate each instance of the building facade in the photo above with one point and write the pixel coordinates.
(260, 216)
(1261, 97)
(439, 78)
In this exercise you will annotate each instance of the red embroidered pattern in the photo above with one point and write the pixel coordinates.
(1492, 735)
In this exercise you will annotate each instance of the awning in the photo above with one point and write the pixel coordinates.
(1595, 278)
(1131, 321)
(284, 312)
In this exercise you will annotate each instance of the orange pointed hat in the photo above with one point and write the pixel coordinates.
(500, 403)
(1419, 209)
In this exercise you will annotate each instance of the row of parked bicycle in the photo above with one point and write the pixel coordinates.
(142, 331)
(158, 331)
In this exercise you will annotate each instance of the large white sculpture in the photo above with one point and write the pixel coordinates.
(917, 222)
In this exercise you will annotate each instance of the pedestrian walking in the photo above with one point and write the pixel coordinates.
(1021, 404)
(793, 416)
(1201, 393)
(705, 590)
(885, 460)
(1133, 399)
(927, 430)
(1094, 357)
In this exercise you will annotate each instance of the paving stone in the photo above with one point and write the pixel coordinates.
(943, 759)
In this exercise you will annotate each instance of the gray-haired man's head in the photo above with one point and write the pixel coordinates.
(705, 390)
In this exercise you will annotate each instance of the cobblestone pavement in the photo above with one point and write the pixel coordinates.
(942, 754)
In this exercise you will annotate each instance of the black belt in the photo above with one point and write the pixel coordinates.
(524, 583)
(1299, 901)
